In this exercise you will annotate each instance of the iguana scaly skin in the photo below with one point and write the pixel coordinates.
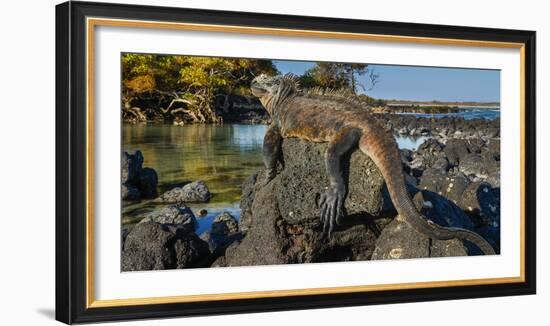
(345, 125)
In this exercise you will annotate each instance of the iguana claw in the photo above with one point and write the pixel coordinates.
(269, 175)
(332, 210)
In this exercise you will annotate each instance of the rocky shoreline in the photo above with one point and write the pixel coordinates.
(441, 128)
(454, 177)
(229, 109)
(429, 109)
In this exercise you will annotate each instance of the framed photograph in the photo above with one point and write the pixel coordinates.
(214, 162)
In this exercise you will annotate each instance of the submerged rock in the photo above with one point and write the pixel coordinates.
(194, 192)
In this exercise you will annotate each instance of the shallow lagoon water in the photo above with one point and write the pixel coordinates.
(222, 156)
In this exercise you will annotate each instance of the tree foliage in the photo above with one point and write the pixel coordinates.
(339, 76)
(168, 84)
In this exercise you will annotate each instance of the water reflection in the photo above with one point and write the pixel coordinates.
(222, 156)
(248, 136)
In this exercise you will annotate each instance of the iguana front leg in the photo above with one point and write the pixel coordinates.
(332, 202)
(272, 151)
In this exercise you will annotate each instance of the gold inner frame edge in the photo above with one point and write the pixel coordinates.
(91, 22)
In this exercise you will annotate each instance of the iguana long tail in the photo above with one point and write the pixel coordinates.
(382, 149)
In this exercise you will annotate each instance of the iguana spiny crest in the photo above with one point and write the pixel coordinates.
(276, 88)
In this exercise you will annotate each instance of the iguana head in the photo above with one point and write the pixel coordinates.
(272, 90)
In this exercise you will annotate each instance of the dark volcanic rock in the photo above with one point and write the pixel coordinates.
(429, 155)
(155, 246)
(219, 245)
(478, 165)
(178, 214)
(249, 187)
(304, 179)
(494, 179)
(444, 128)
(123, 234)
(456, 150)
(351, 243)
(475, 145)
(406, 155)
(482, 201)
(145, 248)
(191, 252)
(129, 192)
(282, 217)
(399, 241)
(493, 145)
(430, 151)
(441, 211)
(223, 232)
(441, 164)
(131, 166)
(261, 246)
(194, 192)
(272, 240)
(447, 185)
(137, 182)
(430, 145)
(147, 182)
(224, 224)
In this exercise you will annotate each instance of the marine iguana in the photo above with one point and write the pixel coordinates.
(345, 125)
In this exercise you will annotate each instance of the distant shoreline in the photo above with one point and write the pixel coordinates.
(491, 105)
(494, 107)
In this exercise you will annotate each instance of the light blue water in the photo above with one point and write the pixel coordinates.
(408, 142)
(213, 211)
(468, 113)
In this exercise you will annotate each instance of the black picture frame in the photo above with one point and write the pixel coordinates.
(71, 158)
